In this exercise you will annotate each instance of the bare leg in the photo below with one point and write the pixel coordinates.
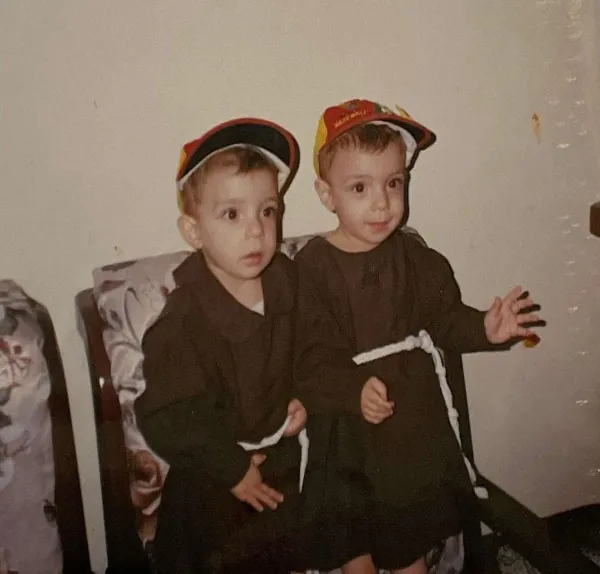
(361, 565)
(418, 567)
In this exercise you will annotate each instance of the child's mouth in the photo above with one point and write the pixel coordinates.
(379, 226)
(253, 258)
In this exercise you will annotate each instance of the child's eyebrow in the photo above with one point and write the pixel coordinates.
(357, 176)
(239, 202)
(234, 201)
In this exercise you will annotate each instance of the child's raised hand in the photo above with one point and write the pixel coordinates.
(504, 320)
(374, 403)
(253, 491)
(298, 413)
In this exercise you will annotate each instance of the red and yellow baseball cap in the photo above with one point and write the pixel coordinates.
(275, 142)
(339, 119)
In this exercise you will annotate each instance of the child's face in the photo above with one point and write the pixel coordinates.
(366, 191)
(235, 224)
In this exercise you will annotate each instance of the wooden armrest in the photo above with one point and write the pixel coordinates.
(124, 548)
(67, 492)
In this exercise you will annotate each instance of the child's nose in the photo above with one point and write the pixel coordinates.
(255, 228)
(381, 200)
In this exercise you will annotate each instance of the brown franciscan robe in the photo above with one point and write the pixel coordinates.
(218, 373)
(376, 298)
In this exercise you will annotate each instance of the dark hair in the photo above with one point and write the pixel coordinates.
(373, 138)
(243, 159)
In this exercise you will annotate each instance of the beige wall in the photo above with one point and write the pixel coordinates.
(97, 97)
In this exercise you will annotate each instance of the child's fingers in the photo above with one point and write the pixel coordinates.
(253, 502)
(269, 496)
(370, 413)
(274, 494)
(267, 500)
(374, 416)
(371, 418)
(496, 306)
(379, 387)
(373, 409)
(383, 416)
(377, 419)
(377, 392)
(292, 428)
(521, 304)
(297, 423)
(378, 404)
(294, 407)
(299, 415)
(514, 294)
(259, 500)
(528, 318)
(258, 459)
(525, 333)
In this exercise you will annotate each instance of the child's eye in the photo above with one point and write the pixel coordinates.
(397, 182)
(270, 211)
(230, 214)
(358, 187)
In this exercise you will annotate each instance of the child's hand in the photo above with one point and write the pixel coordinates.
(253, 491)
(504, 322)
(298, 413)
(374, 403)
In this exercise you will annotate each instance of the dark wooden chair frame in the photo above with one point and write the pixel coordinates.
(68, 500)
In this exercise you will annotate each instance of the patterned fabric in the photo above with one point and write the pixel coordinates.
(27, 511)
(130, 296)
(511, 562)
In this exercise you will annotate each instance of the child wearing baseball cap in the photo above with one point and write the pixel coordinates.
(219, 404)
(382, 287)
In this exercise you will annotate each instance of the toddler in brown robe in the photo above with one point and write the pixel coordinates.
(392, 455)
(218, 363)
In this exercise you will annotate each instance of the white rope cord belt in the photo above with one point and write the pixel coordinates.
(424, 342)
(275, 438)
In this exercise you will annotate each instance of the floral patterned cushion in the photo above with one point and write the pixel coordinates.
(27, 512)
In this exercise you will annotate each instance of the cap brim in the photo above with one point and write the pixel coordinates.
(277, 143)
(422, 136)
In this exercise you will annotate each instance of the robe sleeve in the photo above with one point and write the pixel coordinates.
(453, 326)
(327, 380)
(177, 413)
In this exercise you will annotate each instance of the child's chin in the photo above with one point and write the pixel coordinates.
(377, 236)
(250, 273)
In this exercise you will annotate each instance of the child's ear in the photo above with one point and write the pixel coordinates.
(188, 227)
(323, 190)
